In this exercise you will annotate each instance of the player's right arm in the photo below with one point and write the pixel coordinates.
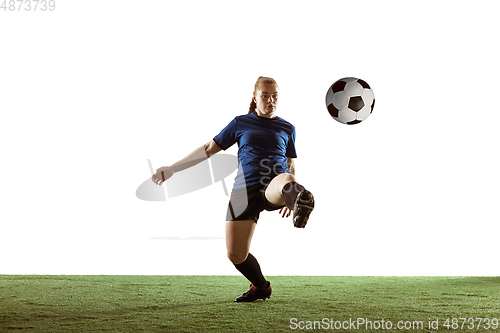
(198, 155)
(211, 148)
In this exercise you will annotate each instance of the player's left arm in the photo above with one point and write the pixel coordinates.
(291, 165)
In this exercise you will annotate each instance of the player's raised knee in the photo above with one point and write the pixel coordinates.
(284, 178)
(288, 177)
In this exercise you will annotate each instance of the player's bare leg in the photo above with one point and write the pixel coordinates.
(238, 238)
(274, 191)
(284, 190)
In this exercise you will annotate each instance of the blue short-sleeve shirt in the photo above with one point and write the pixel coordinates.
(263, 147)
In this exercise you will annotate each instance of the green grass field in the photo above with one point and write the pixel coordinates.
(205, 304)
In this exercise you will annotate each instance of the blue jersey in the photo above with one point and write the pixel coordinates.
(263, 147)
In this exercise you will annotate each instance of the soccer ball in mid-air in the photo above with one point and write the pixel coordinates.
(350, 100)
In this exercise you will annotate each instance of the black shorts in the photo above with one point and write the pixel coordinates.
(247, 203)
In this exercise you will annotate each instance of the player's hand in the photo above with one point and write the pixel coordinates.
(285, 211)
(161, 175)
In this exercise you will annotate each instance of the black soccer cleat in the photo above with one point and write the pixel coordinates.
(255, 293)
(304, 205)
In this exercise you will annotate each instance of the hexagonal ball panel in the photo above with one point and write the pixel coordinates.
(353, 89)
(340, 100)
(346, 115)
(367, 96)
(363, 113)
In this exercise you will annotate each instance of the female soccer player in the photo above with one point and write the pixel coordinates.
(265, 179)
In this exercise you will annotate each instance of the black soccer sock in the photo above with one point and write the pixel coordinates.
(250, 268)
(290, 192)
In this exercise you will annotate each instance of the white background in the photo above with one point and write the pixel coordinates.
(92, 90)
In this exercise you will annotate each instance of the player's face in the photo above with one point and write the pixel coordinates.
(267, 100)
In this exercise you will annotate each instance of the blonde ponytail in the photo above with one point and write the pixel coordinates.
(253, 106)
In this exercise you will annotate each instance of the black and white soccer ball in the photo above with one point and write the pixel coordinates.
(350, 100)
